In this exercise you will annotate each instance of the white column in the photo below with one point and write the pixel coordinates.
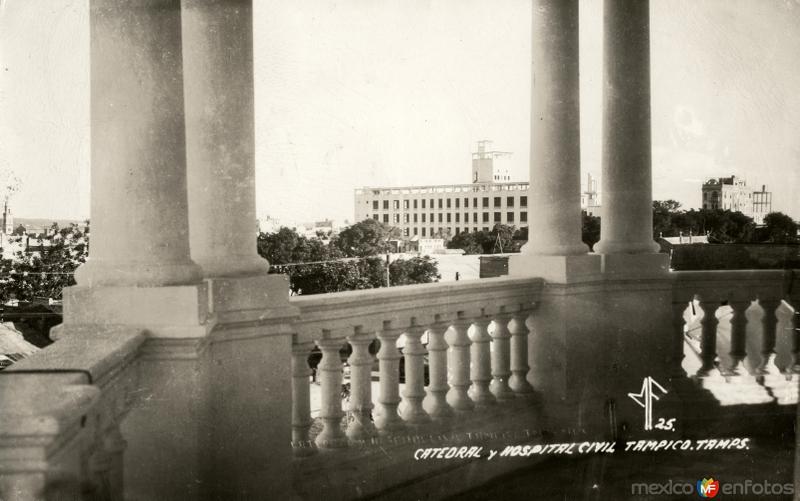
(519, 354)
(627, 221)
(458, 362)
(480, 367)
(414, 353)
(220, 140)
(387, 420)
(501, 358)
(140, 227)
(330, 377)
(301, 400)
(360, 426)
(554, 213)
(435, 403)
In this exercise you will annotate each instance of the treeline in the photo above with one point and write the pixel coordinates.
(352, 260)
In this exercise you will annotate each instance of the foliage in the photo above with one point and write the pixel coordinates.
(501, 239)
(30, 276)
(721, 226)
(590, 230)
(417, 270)
(314, 267)
(367, 238)
(780, 228)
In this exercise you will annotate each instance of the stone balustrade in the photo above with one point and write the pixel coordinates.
(742, 323)
(462, 328)
(62, 417)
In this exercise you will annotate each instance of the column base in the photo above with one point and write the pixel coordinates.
(232, 266)
(557, 269)
(620, 266)
(95, 273)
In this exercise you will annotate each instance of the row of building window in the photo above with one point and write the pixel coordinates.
(448, 203)
(407, 218)
(439, 232)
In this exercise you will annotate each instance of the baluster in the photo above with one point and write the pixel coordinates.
(413, 413)
(301, 400)
(519, 354)
(481, 362)
(708, 342)
(360, 425)
(458, 364)
(732, 360)
(330, 376)
(436, 401)
(678, 325)
(115, 445)
(501, 357)
(769, 323)
(387, 419)
(99, 466)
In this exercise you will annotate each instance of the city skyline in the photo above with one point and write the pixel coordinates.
(357, 94)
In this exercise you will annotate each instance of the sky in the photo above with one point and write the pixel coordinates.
(353, 93)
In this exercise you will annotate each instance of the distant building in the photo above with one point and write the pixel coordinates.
(732, 193)
(8, 220)
(443, 211)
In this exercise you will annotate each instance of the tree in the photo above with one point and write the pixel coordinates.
(590, 229)
(663, 212)
(367, 238)
(780, 228)
(502, 238)
(470, 243)
(43, 274)
(417, 270)
(20, 230)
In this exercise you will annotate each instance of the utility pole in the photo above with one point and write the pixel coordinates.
(388, 282)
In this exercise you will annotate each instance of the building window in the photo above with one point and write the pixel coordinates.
(458, 201)
(458, 217)
(466, 230)
(475, 217)
(432, 203)
(423, 217)
(509, 217)
(457, 230)
(396, 218)
(497, 201)
(448, 203)
(523, 217)
(523, 201)
(431, 217)
(498, 217)
(423, 203)
(485, 228)
(485, 202)
(375, 217)
(448, 217)
(485, 217)
(475, 202)
(415, 217)
(440, 217)
(475, 229)
(509, 201)
(423, 232)
(374, 205)
(405, 204)
(386, 218)
(405, 232)
(440, 203)
(385, 205)
(466, 203)
(396, 204)
(415, 204)
(416, 231)
(405, 217)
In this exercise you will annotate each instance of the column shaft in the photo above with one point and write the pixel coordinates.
(220, 137)
(627, 221)
(140, 227)
(554, 203)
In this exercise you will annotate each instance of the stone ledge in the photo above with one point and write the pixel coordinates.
(556, 269)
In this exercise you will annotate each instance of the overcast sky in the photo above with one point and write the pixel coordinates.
(354, 93)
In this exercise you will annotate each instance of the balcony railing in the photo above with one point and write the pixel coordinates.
(63, 418)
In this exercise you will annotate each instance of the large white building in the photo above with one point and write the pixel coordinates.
(447, 210)
(732, 193)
